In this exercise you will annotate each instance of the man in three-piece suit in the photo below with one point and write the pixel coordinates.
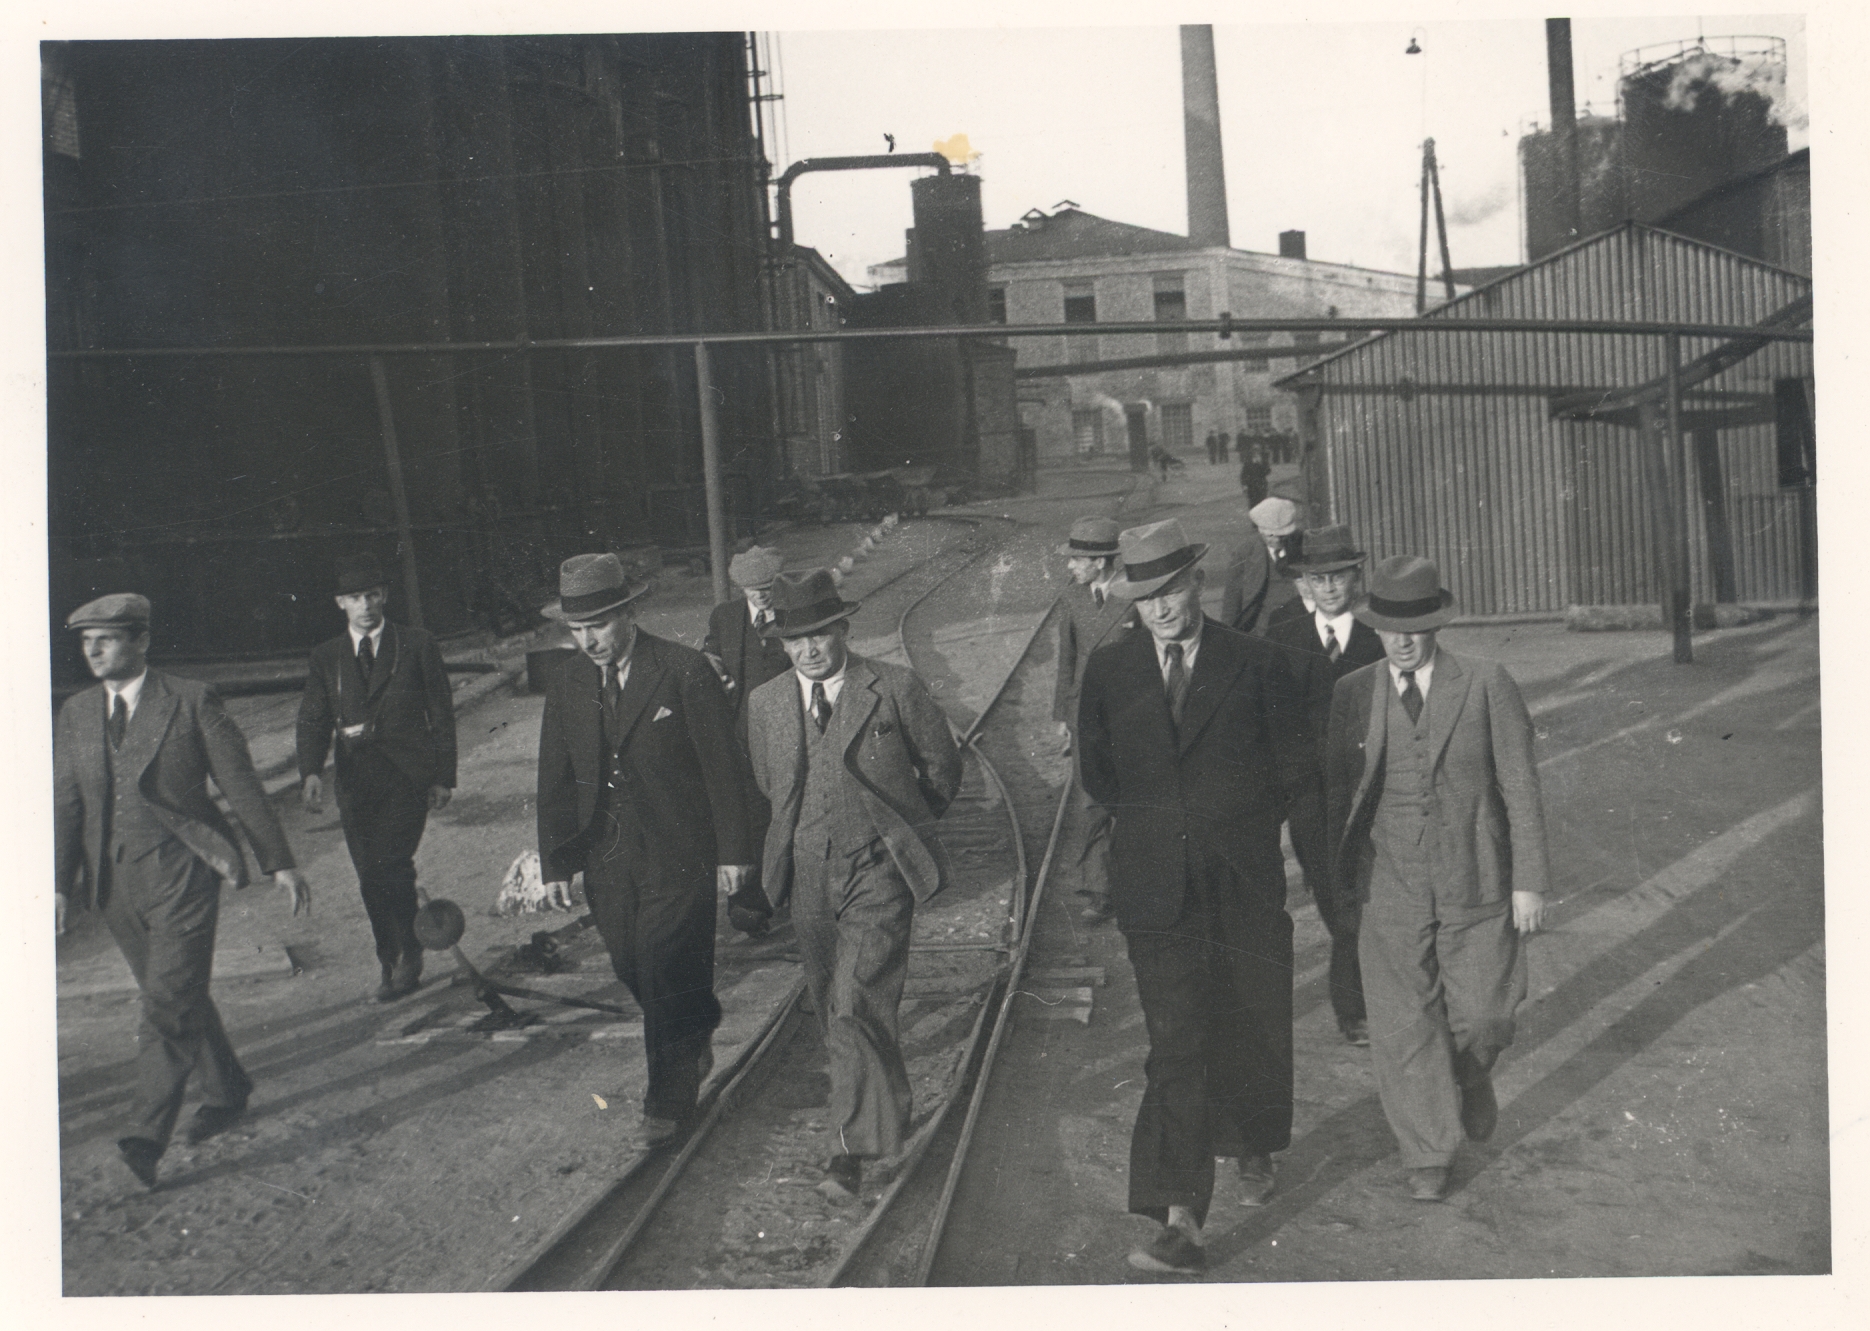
(137, 834)
(1089, 615)
(1328, 568)
(858, 762)
(643, 787)
(745, 659)
(1437, 831)
(380, 688)
(1195, 738)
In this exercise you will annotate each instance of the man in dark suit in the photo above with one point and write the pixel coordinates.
(858, 762)
(137, 834)
(745, 659)
(1089, 615)
(381, 690)
(643, 787)
(1329, 568)
(1195, 738)
(1439, 836)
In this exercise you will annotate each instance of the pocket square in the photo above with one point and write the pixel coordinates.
(660, 713)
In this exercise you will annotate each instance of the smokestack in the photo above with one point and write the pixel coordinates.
(1564, 124)
(1201, 138)
(1292, 244)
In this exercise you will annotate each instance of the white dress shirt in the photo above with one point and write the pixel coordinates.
(1423, 673)
(622, 666)
(833, 686)
(1340, 625)
(376, 640)
(129, 691)
(1190, 646)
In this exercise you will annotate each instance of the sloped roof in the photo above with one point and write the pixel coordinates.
(1072, 233)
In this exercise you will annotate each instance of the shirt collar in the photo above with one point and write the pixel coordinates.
(1190, 645)
(1423, 673)
(130, 691)
(375, 636)
(1341, 625)
(833, 686)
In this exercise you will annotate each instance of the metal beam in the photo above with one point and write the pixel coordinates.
(711, 474)
(399, 495)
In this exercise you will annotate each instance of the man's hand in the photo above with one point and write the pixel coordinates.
(296, 887)
(312, 794)
(58, 912)
(730, 878)
(558, 895)
(1064, 735)
(439, 797)
(1528, 911)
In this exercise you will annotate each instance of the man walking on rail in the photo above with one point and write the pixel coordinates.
(1437, 830)
(1329, 567)
(643, 786)
(745, 659)
(1089, 615)
(136, 834)
(859, 763)
(380, 688)
(1195, 738)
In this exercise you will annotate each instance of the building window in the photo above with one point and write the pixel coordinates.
(1259, 420)
(1178, 427)
(1171, 307)
(1080, 308)
(996, 305)
(1087, 431)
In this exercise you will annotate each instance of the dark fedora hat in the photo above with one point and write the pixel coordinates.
(588, 585)
(1326, 550)
(804, 603)
(1092, 538)
(1405, 596)
(359, 573)
(1153, 555)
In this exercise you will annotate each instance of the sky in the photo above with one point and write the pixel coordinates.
(1321, 124)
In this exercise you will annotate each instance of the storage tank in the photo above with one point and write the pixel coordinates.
(1697, 114)
(948, 246)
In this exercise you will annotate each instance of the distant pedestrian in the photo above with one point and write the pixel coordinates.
(1222, 457)
(1253, 474)
(1438, 837)
(381, 690)
(1162, 460)
(1213, 448)
(137, 835)
(643, 786)
(858, 762)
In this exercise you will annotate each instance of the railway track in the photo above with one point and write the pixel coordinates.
(685, 1215)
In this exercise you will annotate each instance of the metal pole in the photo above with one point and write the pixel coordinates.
(711, 474)
(1421, 271)
(405, 538)
(1441, 223)
(1678, 500)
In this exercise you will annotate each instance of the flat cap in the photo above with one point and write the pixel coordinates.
(119, 610)
(756, 568)
(1276, 517)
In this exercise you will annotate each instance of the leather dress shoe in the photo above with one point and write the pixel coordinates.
(752, 923)
(1171, 1252)
(1430, 1184)
(386, 991)
(141, 1155)
(1357, 1031)
(843, 1177)
(406, 975)
(213, 1120)
(1256, 1179)
(655, 1129)
(1479, 1110)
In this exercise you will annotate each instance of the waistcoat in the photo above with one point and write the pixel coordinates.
(135, 830)
(1403, 811)
(831, 820)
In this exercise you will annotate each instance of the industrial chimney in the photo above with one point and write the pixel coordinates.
(1201, 138)
(1292, 244)
(1570, 182)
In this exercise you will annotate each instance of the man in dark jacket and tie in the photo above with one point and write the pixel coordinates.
(1195, 738)
(137, 834)
(380, 689)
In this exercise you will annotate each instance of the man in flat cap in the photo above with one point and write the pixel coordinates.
(643, 786)
(1438, 835)
(1089, 615)
(746, 659)
(1329, 568)
(137, 835)
(1195, 738)
(858, 762)
(380, 689)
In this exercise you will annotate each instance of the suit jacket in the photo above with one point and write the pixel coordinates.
(898, 750)
(1221, 782)
(1247, 581)
(179, 736)
(1083, 627)
(678, 768)
(1486, 825)
(748, 659)
(407, 696)
(1300, 632)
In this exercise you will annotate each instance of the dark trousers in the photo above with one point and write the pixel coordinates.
(1344, 979)
(1216, 989)
(384, 814)
(162, 910)
(659, 929)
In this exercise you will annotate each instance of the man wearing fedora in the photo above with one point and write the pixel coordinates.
(745, 659)
(137, 835)
(380, 690)
(1439, 837)
(858, 762)
(1328, 569)
(1089, 615)
(1195, 738)
(643, 786)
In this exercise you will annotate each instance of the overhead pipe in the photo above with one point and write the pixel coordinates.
(876, 162)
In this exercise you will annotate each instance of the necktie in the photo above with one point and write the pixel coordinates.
(821, 707)
(1411, 697)
(613, 693)
(1097, 597)
(1176, 682)
(366, 658)
(1332, 648)
(119, 720)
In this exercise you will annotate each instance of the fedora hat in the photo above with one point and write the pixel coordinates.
(804, 603)
(1092, 538)
(588, 585)
(359, 573)
(439, 924)
(1276, 516)
(119, 610)
(1405, 596)
(1153, 555)
(753, 570)
(1326, 550)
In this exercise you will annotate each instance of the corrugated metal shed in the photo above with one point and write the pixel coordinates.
(1511, 458)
